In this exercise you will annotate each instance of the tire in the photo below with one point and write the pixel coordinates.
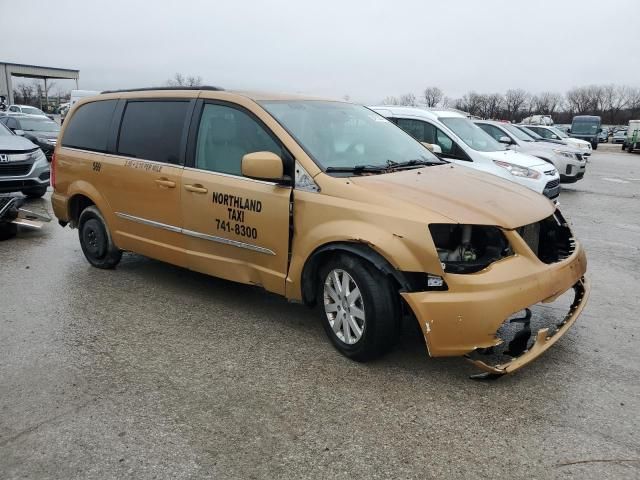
(624, 147)
(594, 146)
(95, 239)
(8, 230)
(35, 192)
(374, 309)
(630, 147)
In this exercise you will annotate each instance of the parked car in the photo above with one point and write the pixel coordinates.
(26, 110)
(620, 137)
(463, 142)
(570, 162)
(603, 136)
(632, 139)
(586, 127)
(326, 203)
(23, 166)
(41, 131)
(554, 133)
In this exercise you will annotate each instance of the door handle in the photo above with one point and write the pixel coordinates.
(165, 182)
(196, 188)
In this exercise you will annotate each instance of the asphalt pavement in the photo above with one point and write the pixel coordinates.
(152, 371)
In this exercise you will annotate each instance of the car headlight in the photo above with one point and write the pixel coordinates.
(37, 155)
(564, 153)
(518, 170)
(466, 249)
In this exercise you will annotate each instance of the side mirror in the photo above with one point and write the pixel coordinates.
(506, 140)
(432, 147)
(263, 166)
(17, 131)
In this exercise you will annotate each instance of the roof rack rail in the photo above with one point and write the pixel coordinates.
(147, 89)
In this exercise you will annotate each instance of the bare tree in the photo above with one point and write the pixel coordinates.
(391, 100)
(407, 99)
(446, 101)
(514, 101)
(433, 96)
(26, 92)
(546, 103)
(179, 80)
(470, 102)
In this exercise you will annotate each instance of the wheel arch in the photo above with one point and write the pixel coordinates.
(309, 276)
(81, 196)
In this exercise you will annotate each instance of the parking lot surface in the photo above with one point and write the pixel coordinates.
(152, 371)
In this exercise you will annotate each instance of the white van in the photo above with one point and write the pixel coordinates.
(464, 143)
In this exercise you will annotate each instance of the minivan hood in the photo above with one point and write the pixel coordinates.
(15, 143)
(462, 194)
(514, 157)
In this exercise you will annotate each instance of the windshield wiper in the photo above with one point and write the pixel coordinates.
(415, 163)
(358, 169)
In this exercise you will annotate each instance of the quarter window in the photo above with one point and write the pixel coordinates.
(225, 135)
(152, 130)
(88, 129)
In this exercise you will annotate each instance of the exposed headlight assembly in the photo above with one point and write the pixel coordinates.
(468, 248)
(518, 170)
(564, 153)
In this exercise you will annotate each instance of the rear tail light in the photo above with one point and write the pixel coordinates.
(53, 171)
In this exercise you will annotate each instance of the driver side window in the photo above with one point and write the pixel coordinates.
(495, 132)
(450, 149)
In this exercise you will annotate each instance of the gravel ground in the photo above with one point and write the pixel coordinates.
(151, 371)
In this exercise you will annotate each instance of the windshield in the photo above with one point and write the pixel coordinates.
(472, 135)
(4, 131)
(34, 124)
(587, 126)
(516, 132)
(531, 133)
(344, 135)
(32, 111)
(558, 132)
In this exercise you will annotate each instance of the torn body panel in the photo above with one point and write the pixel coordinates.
(467, 316)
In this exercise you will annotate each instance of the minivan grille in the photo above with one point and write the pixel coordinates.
(13, 170)
(550, 239)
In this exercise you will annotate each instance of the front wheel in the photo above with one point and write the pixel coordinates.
(594, 146)
(360, 308)
(95, 240)
(630, 147)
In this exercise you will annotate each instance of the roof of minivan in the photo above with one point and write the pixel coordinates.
(253, 95)
(430, 113)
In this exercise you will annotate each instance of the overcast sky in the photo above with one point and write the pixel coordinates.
(365, 49)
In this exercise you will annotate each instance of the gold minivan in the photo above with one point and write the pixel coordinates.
(324, 202)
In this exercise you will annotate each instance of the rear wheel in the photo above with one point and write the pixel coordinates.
(95, 239)
(594, 146)
(8, 230)
(630, 147)
(360, 308)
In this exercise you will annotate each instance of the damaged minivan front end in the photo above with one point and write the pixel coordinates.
(492, 274)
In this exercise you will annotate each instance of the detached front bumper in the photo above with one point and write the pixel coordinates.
(467, 317)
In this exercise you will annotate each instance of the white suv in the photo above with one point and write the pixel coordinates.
(569, 161)
(553, 133)
(464, 143)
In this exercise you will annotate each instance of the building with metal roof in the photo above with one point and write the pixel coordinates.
(10, 70)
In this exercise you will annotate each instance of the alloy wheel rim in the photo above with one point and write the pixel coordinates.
(344, 306)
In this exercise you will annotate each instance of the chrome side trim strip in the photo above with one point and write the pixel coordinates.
(227, 241)
(151, 223)
(230, 175)
(191, 233)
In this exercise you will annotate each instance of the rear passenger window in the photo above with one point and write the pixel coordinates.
(88, 129)
(152, 130)
(225, 135)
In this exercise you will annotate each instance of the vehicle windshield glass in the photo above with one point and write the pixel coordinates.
(558, 132)
(32, 111)
(337, 134)
(516, 132)
(472, 135)
(34, 124)
(531, 133)
(4, 131)
(584, 126)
